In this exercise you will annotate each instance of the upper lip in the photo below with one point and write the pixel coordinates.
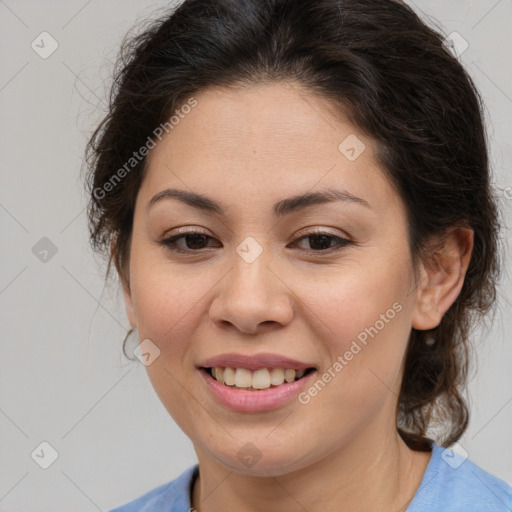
(254, 362)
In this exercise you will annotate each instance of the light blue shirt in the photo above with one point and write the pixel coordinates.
(450, 483)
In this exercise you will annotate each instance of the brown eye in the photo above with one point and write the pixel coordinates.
(324, 242)
(194, 241)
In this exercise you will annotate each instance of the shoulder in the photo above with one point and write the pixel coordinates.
(452, 482)
(173, 496)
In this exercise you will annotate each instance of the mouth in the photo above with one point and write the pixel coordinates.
(258, 380)
(255, 383)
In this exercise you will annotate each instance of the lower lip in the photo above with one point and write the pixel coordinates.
(255, 401)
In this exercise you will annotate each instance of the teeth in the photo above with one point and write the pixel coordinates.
(261, 379)
(258, 379)
(276, 376)
(289, 375)
(229, 376)
(243, 378)
(218, 373)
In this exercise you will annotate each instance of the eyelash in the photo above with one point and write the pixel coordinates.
(170, 242)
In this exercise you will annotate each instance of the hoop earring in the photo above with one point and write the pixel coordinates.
(128, 334)
(126, 338)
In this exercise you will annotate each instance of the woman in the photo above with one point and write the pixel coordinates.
(296, 198)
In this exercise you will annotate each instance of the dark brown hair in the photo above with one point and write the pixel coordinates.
(393, 77)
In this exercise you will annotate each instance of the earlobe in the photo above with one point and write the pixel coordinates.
(442, 277)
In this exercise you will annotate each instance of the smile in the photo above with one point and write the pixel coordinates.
(257, 380)
(243, 397)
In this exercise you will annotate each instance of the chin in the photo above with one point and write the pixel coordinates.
(263, 458)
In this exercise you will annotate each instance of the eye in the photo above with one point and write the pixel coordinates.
(322, 241)
(196, 241)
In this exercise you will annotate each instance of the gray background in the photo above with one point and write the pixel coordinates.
(63, 378)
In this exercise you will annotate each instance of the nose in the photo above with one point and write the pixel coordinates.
(252, 298)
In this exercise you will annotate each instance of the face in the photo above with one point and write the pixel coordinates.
(271, 284)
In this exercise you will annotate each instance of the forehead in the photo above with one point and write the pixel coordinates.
(266, 121)
(263, 141)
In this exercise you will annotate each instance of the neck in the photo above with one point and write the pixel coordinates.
(372, 472)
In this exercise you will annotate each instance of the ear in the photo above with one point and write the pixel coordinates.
(442, 277)
(128, 302)
(126, 288)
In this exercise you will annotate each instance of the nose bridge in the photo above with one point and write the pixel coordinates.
(250, 271)
(252, 294)
(250, 267)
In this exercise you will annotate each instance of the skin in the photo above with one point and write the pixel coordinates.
(249, 149)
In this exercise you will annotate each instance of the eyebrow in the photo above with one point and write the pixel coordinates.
(281, 208)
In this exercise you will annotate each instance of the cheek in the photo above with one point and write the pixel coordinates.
(168, 304)
(356, 300)
(167, 301)
(362, 315)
